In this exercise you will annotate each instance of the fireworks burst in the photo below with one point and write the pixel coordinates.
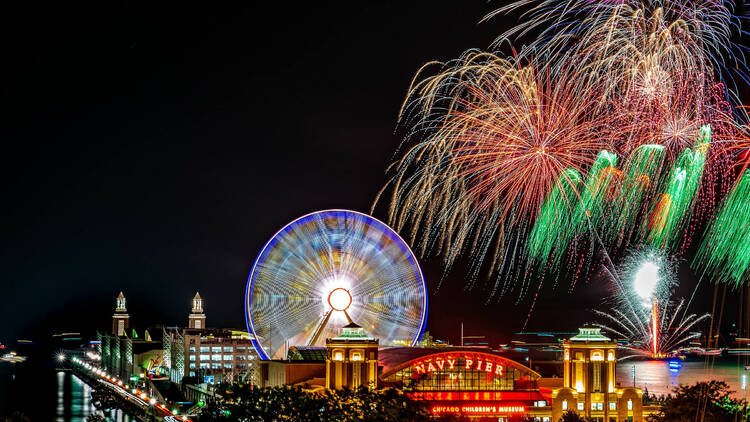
(501, 138)
(725, 250)
(613, 128)
(644, 313)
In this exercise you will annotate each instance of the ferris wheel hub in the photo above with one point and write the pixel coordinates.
(340, 299)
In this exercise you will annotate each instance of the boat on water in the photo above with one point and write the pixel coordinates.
(12, 357)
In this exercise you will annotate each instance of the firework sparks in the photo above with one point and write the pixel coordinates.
(725, 250)
(501, 138)
(644, 313)
(514, 161)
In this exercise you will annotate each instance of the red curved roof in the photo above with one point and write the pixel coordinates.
(393, 359)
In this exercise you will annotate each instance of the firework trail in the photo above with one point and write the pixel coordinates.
(725, 250)
(500, 138)
(672, 211)
(700, 33)
(612, 128)
(637, 328)
(643, 312)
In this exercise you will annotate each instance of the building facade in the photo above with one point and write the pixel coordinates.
(474, 382)
(590, 385)
(213, 355)
(352, 359)
(219, 354)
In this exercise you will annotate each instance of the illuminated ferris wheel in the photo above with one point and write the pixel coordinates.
(330, 268)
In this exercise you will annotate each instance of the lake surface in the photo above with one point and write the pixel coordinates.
(661, 378)
(47, 394)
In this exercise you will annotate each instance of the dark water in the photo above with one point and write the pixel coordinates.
(45, 394)
(661, 378)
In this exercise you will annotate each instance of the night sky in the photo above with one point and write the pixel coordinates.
(154, 149)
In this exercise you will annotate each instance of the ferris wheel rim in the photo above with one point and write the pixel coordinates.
(251, 279)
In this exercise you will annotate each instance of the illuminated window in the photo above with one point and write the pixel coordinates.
(611, 355)
(565, 405)
(338, 355)
(192, 366)
(228, 357)
(205, 357)
(192, 349)
(356, 356)
(580, 406)
(612, 406)
(192, 358)
(192, 373)
(597, 355)
(228, 349)
(540, 403)
(597, 406)
(240, 357)
(216, 349)
(205, 349)
(204, 365)
(215, 357)
(597, 367)
(228, 365)
(215, 366)
(630, 404)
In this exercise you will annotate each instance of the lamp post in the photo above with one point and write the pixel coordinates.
(744, 392)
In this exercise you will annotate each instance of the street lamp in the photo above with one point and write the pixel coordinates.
(60, 357)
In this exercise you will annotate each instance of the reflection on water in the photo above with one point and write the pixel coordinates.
(661, 377)
(74, 401)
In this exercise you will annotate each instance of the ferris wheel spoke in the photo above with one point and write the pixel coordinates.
(328, 269)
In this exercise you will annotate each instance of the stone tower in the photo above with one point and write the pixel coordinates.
(197, 317)
(120, 319)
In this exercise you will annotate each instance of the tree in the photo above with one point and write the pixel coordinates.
(571, 416)
(709, 401)
(17, 417)
(243, 402)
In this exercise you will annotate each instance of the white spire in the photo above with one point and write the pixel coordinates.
(121, 303)
(197, 304)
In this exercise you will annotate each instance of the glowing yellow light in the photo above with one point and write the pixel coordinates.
(340, 299)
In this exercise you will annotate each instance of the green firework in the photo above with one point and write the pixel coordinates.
(640, 174)
(553, 228)
(725, 250)
(600, 188)
(565, 213)
(673, 208)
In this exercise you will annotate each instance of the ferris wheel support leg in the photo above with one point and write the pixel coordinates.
(348, 317)
(320, 328)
